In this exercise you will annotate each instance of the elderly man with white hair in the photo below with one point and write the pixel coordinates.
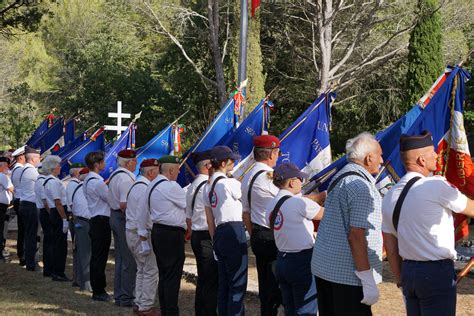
(347, 255)
(120, 182)
(56, 198)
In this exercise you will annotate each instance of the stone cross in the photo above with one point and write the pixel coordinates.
(119, 116)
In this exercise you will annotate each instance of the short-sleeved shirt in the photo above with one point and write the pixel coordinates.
(198, 214)
(137, 215)
(28, 176)
(120, 182)
(425, 226)
(225, 202)
(263, 192)
(5, 186)
(354, 202)
(76, 200)
(97, 193)
(39, 191)
(54, 190)
(15, 177)
(293, 229)
(167, 202)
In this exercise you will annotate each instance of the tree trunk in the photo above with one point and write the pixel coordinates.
(213, 16)
(324, 22)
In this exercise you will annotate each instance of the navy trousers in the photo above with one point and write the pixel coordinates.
(429, 287)
(47, 242)
(59, 241)
(230, 246)
(101, 237)
(29, 214)
(20, 241)
(297, 284)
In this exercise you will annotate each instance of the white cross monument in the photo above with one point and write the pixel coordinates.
(119, 116)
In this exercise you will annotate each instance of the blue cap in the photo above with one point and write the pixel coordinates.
(220, 153)
(288, 170)
(200, 156)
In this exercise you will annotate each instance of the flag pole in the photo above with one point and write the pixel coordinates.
(242, 76)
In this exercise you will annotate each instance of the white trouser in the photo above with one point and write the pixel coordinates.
(147, 273)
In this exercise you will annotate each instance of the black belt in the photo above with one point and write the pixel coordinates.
(260, 227)
(429, 261)
(4, 205)
(169, 227)
(229, 224)
(293, 254)
(100, 216)
(82, 218)
(118, 210)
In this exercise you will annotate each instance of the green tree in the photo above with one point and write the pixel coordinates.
(425, 55)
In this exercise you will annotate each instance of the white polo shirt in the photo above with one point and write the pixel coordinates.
(167, 202)
(39, 191)
(137, 216)
(120, 182)
(263, 192)
(28, 176)
(293, 229)
(198, 214)
(5, 184)
(96, 192)
(226, 206)
(54, 190)
(15, 177)
(425, 227)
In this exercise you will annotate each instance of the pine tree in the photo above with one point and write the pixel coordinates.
(425, 58)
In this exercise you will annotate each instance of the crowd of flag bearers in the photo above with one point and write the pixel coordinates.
(150, 216)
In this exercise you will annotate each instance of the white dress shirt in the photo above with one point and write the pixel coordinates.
(71, 186)
(198, 214)
(96, 192)
(5, 184)
(119, 186)
(15, 177)
(263, 192)
(137, 216)
(28, 177)
(54, 190)
(226, 206)
(39, 191)
(425, 227)
(167, 202)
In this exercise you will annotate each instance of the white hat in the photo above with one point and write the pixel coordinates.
(20, 151)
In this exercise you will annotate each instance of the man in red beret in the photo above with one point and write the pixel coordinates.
(138, 227)
(120, 182)
(257, 191)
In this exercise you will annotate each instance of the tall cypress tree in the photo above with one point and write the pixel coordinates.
(425, 58)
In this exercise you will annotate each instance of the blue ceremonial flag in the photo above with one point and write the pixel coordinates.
(306, 142)
(34, 139)
(220, 130)
(160, 145)
(51, 137)
(69, 132)
(431, 113)
(108, 146)
(123, 142)
(94, 143)
(78, 141)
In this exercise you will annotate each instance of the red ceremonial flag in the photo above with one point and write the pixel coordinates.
(255, 6)
(454, 159)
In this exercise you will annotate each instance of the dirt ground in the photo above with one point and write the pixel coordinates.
(29, 293)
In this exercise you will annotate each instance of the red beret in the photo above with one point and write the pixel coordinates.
(127, 153)
(266, 141)
(84, 171)
(149, 163)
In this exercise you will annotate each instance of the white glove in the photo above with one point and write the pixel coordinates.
(215, 256)
(371, 292)
(65, 226)
(145, 247)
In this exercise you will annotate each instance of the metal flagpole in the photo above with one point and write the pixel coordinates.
(243, 49)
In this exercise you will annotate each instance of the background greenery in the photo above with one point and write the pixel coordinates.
(78, 57)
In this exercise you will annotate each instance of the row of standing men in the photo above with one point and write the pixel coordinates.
(344, 264)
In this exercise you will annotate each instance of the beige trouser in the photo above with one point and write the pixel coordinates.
(147, 273)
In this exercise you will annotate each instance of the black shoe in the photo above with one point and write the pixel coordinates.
(47, 274)
(101, 297)
(124, 304)
(59, 278)
(75, 284)
(30, 269)
(22, 262)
